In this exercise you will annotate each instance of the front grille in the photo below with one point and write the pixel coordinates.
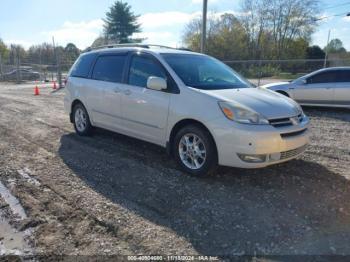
(291, 134)
(293, 153)
(288, 121)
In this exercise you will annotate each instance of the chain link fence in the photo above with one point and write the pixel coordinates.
(18, 68)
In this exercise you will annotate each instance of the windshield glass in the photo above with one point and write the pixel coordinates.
(204, 72)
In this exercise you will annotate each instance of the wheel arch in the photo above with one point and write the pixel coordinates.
(283, 92)
(74, 103)
(182, 123)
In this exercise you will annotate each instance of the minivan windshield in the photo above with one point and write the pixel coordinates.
(204, 72)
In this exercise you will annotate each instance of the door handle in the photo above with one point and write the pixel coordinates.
(117, 91)
(127, 92)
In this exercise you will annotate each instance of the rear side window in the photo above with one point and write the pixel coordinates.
(109, 68)
(83, 66)
(343, 76)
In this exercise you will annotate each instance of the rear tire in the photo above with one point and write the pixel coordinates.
(81, 120)
(195, 151)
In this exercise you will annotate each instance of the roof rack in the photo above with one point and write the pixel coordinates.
(128, 45)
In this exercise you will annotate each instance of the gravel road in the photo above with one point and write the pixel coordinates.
(111, 194)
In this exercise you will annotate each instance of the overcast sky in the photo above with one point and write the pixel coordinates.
(29, 22)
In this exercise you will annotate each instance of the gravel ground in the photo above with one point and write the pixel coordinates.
(110, 194)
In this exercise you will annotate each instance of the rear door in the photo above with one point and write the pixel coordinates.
(106, 81)
(342, 89)
(318, 89)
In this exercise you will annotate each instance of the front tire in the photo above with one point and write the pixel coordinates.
(195, 151)
(81, 120)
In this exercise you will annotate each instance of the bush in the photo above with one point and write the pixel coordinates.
(256, 71)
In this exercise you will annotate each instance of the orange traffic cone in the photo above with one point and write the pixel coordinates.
(36, 91)
(54, 85)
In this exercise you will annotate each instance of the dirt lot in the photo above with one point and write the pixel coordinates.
(110, 194)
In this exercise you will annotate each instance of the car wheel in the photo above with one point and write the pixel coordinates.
(195, 151)
(81, 119)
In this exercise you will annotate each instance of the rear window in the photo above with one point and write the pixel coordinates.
(82, 66)
(109, 68)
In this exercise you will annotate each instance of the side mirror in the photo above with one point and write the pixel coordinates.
(304, 81)
(156, 83)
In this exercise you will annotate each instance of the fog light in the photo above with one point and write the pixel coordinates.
(252, 158)
(275, 157)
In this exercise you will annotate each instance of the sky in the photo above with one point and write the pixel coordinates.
(29, 22)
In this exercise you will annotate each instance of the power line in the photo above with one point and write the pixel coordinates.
(336, 15)
(331, 7)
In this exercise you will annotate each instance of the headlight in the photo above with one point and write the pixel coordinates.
(300, 110)
(242, 115)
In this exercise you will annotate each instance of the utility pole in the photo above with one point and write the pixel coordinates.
(41, 66)
(16, 63)
(0, 66)
(326, 55)
(204, 26)
(59, 75)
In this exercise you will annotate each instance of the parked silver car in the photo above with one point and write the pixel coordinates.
(21, 74)
(326, 87)
(195, 106)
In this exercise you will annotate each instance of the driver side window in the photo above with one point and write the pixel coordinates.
(141, 68)
(320, 78)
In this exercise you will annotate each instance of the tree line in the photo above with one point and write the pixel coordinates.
(261, 30)
(43, 54)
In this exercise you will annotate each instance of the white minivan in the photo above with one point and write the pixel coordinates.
(199, 109)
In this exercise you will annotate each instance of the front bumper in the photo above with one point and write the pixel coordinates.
(278, 144)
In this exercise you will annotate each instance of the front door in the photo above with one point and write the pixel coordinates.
(318, 89)
(145, 111)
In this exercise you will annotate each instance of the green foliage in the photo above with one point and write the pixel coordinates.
(256, 71)
(71, 52)
(335, 46)
(100, 41)
(4, 52)
(121, 23)
(315, 52)
(226, 38)
(267, 29)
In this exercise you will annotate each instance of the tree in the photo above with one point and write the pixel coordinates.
(121, 23)
(226, 37)
(100, 41)
(3, 49)
(315, 52)
(71, 52)
(17, 54)
(335, 46)
(280, 21)
(41, 54)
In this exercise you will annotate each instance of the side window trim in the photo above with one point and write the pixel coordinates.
(172, 86)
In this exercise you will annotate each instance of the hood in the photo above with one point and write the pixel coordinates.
(265, 102)
(276, 84)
